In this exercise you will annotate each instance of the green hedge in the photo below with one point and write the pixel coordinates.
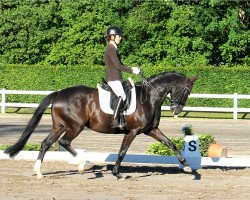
(42, 77)
(213, 80)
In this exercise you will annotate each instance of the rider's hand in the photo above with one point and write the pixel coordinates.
(136, 70)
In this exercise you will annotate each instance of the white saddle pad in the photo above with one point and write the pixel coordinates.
(104, 100)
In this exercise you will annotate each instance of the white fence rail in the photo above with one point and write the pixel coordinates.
(235, 109)
(235, 97)
(5, 104)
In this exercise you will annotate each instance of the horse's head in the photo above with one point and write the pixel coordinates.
(178, 85)
(179, 94)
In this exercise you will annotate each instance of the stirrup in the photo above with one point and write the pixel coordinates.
(116, 124)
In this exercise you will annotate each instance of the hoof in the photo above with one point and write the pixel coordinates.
(123, 178)
(88, 165)
(84, 166)
(81, 169)
(38, 173)
(39, 176)
(187, 169)
(118, 176)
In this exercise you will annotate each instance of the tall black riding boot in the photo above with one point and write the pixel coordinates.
(118, 121)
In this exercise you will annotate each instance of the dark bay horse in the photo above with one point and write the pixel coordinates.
(76, 107)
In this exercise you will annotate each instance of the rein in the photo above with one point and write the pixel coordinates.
(145, 84)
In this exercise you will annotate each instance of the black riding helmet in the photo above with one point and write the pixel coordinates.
(113, 30)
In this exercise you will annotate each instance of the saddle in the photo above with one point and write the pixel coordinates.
(127, 86)
(108, 99)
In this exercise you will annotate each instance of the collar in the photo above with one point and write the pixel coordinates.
(113, 43)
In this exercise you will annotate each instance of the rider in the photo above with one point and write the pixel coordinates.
(113, 74)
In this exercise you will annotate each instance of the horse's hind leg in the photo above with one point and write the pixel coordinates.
(159, 136)
(65, 142)
(46, 144)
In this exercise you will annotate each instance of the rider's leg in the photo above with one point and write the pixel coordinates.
(118, 122)
(118, 118)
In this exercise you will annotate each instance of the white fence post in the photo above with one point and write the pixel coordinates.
(3, 92)
(235, 105)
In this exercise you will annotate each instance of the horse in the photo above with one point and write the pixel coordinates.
(77, 107)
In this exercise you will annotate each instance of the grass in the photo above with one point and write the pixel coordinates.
(24, 110)
(207, 115)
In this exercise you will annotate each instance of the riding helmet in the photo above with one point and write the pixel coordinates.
(113, 30)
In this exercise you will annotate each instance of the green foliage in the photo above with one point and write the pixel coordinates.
(3, 147)
(187, 130)
(205, 140)
(82, 40)
(29, 147)
(28, 28)
(212, 80)
(160, 149)
(176, 33)
(32, 147)
(46, 77)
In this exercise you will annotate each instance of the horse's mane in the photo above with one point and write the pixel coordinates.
(165, 73)
(162, 74)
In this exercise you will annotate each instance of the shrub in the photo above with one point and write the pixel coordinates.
(158, 148)
(30, 147)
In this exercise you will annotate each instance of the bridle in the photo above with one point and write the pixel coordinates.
(177, 100)
(145, 84)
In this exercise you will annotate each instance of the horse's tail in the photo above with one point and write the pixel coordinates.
(19, 145)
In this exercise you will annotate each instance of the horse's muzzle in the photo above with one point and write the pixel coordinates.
(176, 109)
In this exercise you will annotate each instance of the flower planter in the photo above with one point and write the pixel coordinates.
(216, 150)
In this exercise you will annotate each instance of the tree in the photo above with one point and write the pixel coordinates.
(28, 30)
(175, 32)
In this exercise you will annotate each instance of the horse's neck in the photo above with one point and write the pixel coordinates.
(162, 87)
(154, 95)
(165, 83)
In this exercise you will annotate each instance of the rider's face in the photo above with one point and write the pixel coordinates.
(118, 39)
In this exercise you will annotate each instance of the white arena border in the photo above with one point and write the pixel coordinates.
(97, 157)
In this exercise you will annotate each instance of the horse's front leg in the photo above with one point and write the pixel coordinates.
(127, 140)
(159, 136)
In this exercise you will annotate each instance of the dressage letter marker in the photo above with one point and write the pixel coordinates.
(191, 151)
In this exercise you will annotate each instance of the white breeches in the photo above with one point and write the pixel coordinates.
(118, 89)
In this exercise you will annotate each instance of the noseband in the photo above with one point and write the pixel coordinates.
(177, 100)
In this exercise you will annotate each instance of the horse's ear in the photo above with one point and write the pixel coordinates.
(193, 79)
